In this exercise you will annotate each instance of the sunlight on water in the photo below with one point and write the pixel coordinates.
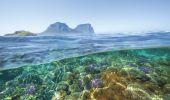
(132, 74)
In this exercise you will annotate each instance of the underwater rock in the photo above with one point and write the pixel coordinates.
(11, 83)
(142, 60)
(16, 97)
(165, 62)
(85, 95)
(143, 78)
(76, 74)
(166, 88)
(76, 86)
(74, 96)
(166, 97)
(97, 83)
(145, 69)
(62, 90)
(150, 86)
(108, 93)
(23, 85)
(132, 65)
(31, 89)
(29, 78)
(130, 72)
(161, 81)
(87, 82)
(46, 91)
(67, 76)
(135, 93)
(113, 86)
(92, 68)
(80, 83)
(12, 93)
(105, 76)
(62, 86)
(97, 76)
(59, 95)
(58, 75)
(105, 63)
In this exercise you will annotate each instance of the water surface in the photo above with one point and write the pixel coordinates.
(18, 51)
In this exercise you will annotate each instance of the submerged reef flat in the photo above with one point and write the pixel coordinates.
(134, 74)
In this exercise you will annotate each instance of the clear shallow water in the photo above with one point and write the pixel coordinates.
(18, 51)
(131, 74)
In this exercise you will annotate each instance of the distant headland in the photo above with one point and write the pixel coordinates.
(21, 33)
(57, 28)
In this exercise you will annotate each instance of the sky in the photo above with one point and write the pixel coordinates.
(106, 16)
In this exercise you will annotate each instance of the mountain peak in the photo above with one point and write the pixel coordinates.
(84, 28)
(59, 24)
(59, 27)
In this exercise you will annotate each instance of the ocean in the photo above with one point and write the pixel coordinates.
(86, 67)
(18, 51)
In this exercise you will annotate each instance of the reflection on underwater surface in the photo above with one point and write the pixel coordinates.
(131, 74)
(18, 51)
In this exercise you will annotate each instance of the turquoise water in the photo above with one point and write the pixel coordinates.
(19, 51)
(127, 74)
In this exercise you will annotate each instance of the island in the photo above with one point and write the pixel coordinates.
(61, 28)
(58, 28)
(21, 33)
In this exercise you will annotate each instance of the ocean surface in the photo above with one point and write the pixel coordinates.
(86, 67)
(18, 51)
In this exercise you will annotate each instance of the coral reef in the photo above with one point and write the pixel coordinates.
(135, 74)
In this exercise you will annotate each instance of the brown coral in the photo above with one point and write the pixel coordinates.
(120, 87)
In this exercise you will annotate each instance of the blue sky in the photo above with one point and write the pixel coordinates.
(104, 15)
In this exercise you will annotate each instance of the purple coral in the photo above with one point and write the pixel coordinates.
(88, 85)
(92, 67)
(23, 85)
(30, 90)
(80, 82)
(146, 70)
(97, 83)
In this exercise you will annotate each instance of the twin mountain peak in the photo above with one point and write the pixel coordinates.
(58, 28)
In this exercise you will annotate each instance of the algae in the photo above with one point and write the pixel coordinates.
(132, 74)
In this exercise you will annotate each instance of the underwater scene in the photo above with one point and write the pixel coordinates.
(124, 74)
(85, 50)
